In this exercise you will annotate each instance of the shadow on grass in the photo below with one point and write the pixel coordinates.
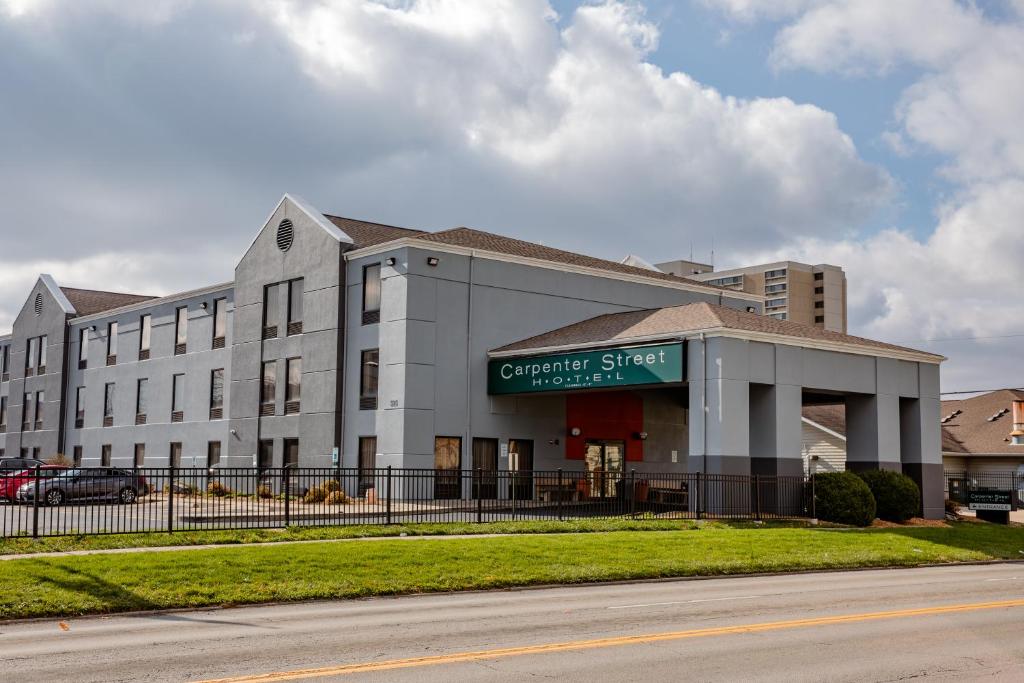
(994, 540)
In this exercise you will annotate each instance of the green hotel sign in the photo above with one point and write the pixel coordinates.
(636, 365)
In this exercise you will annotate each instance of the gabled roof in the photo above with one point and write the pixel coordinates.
(486, 241)
(649, 324)
(90, 301)
(972, 427)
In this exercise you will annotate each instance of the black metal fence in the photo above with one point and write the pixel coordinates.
(56, 502)
(959, 483)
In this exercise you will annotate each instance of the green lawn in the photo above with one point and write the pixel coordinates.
(63, 586)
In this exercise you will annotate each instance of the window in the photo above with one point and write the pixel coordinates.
(291, 452)
(3, 414)
(43, 343)
(271, 310)
(771, 289)
(26, 409)
(295, 307)
(819, 304)
(213, 454)
(819, 319)
(4, 372)
(819, 290)
(30, 359)
(819, 276)
(265, 456)
(145, 336)
(40, 402)
(371, 294)
(268, 388)
(367, 463)
(105, 452)
(773, 303)
(778, 272)
(726, 281)
(79, 407)
(111, 343)
(140, 455)
(180, 330)
(76, 456)
(368, 377)
(178, 398)
(108, 405)
(83, 348)
(141, 401)
(220, 322)
(777, 316)
(175, 455)
(447, 461)
(217, 394)
(293, 390)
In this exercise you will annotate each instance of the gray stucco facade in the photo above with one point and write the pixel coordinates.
(446, 303)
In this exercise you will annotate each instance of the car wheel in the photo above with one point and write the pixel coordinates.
(127, 496)
(54, 497)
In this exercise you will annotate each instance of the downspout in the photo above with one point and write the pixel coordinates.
(341, 383)
(469, 361)
(62, 445)
(704, 401)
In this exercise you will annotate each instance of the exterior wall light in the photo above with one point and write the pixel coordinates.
(751, 309)
(92, 328)
(390, 261)
(203, 305)
(642, 436)
(575, 431)
(553, 442)
(433, 261)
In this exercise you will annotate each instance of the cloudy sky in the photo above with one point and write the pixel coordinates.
(144, 143)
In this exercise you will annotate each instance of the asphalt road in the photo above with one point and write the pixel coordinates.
(947, 623)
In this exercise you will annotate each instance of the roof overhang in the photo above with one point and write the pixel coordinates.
(711, 332)
(57, 293)
(413, 242)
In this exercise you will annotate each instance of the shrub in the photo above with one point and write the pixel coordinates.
(264, 491)
(952, 507)
(897, 497)
(337, 498)
(843, 498)
(321, 493)
(59, 459)
(217, 488)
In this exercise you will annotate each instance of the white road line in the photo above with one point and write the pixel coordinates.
(686, 602)
(1009, 578)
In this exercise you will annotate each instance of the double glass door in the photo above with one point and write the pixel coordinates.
(604, 467)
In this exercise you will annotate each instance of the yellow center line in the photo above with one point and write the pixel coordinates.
(459, 657)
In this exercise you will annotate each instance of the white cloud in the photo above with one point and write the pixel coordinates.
(966, 104)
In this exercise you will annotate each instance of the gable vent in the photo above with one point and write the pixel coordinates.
(39, 303)
(285, 235)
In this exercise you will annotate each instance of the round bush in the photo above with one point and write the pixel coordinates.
(896, 495)
(843, 498)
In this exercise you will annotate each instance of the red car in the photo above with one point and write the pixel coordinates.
(10, 484)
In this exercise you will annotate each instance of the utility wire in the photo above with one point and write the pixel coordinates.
(980, 391)
(952, 339)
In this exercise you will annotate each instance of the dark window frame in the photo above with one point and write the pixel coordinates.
(367, 376)
(371, 312)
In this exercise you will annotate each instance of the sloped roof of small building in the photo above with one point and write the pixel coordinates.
(984, 422)
(90, 301)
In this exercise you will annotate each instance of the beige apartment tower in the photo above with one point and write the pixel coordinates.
(812, 295)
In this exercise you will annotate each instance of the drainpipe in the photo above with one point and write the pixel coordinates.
(469, 361)
(704, 401)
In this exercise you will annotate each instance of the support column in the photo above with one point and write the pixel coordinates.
(872, 432)
(720, 439)
(775, 430)
(921, 442)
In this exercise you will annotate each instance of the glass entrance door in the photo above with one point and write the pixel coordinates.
(604, 467)
(520, 463)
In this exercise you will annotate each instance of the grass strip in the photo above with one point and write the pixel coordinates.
(66, 586)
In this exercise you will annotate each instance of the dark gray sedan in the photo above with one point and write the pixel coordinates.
(96, 483)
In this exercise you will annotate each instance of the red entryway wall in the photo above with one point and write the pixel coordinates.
(612, 416)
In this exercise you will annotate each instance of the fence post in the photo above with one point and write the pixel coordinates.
(170, 499)
(700, 490)
(757, 496)
(35, 503)
(632, 493)
(389, 495)
(287, 492)
(814, 499)
(479, 496)
(559, 494)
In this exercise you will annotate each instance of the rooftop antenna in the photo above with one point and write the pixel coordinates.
(712, 253)
(691, 251)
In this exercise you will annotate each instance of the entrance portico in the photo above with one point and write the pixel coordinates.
(743, 381)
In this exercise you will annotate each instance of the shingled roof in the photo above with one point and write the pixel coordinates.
(485, 241)
(367, 234)
(833, 418)
(90, 301)
(979, 427)
(624, 327)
